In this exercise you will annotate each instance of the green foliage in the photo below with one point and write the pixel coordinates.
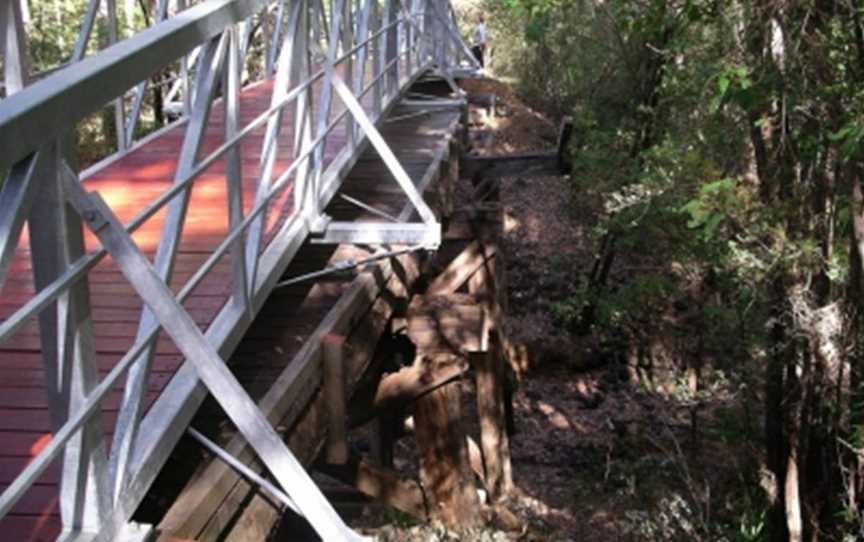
(752, 527)
(52, 33)
(720, 143)
(849, 137)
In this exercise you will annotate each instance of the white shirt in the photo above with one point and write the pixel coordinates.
(480, 34)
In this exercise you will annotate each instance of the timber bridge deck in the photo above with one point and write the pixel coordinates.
(246, 253)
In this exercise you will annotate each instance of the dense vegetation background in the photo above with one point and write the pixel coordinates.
(718, 147)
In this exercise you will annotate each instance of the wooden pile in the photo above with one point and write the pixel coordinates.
(455, 324)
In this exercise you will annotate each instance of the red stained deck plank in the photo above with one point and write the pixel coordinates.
(39, 421)
(11, 466)
(15, 360)
(38, 501)
(31, 398)
(42, 528)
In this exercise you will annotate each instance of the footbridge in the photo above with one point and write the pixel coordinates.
(128, 286)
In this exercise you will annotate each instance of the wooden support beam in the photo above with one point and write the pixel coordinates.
(461, 269)
(383, 438)
(474, 221)
(441, 193)
(446, 324)
(494, 441)
(565, 132)
(382, 484)
(444, 464)
(399, 389)
(531, 163)
(475, 458)
(334, 396)
(497, 166)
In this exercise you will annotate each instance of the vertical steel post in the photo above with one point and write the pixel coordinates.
(377, 51)
(16, 193)
(234, 172)
(68, 352)
(391, 51)
(409, 45)
(281, 87)
(348, 63)
(301, 70)
(311, 212)
(363, 53)
(16, 70)
(119, 109)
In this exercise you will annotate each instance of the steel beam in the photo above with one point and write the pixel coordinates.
(381, 233)
(66, 331)
(16, 197)
(13, 45)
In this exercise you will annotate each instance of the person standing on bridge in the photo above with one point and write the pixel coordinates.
(481, 39)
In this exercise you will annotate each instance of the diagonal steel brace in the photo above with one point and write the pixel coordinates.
(380, 145)
(233, 399)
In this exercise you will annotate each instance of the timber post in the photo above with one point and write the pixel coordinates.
(491, 409)
(445, 469)
(332, 347)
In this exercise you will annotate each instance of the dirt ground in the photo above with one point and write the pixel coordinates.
(595, 457)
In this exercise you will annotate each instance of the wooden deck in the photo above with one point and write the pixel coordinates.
(128, 185)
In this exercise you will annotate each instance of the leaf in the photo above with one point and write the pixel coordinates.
(841, 133)
(712, 223)
(723, 84)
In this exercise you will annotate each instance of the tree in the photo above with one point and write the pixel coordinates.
(726, 136)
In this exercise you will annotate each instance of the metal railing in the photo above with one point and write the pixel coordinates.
(342, 77)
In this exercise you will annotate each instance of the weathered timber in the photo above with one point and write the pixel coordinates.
(489, 286)
(212, 489)
(445, 468)
(475, 458)
(446, 323)
(494, 441)
(381, 484)
(307, 434)
(460, 269)
(527, 164)
(475, 222)
(396, 390)
(334, 394)
(440, 195)
(383, 438)
(497, 166)
(565, 132)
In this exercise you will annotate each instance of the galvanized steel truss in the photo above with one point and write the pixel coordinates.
(361, 55)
